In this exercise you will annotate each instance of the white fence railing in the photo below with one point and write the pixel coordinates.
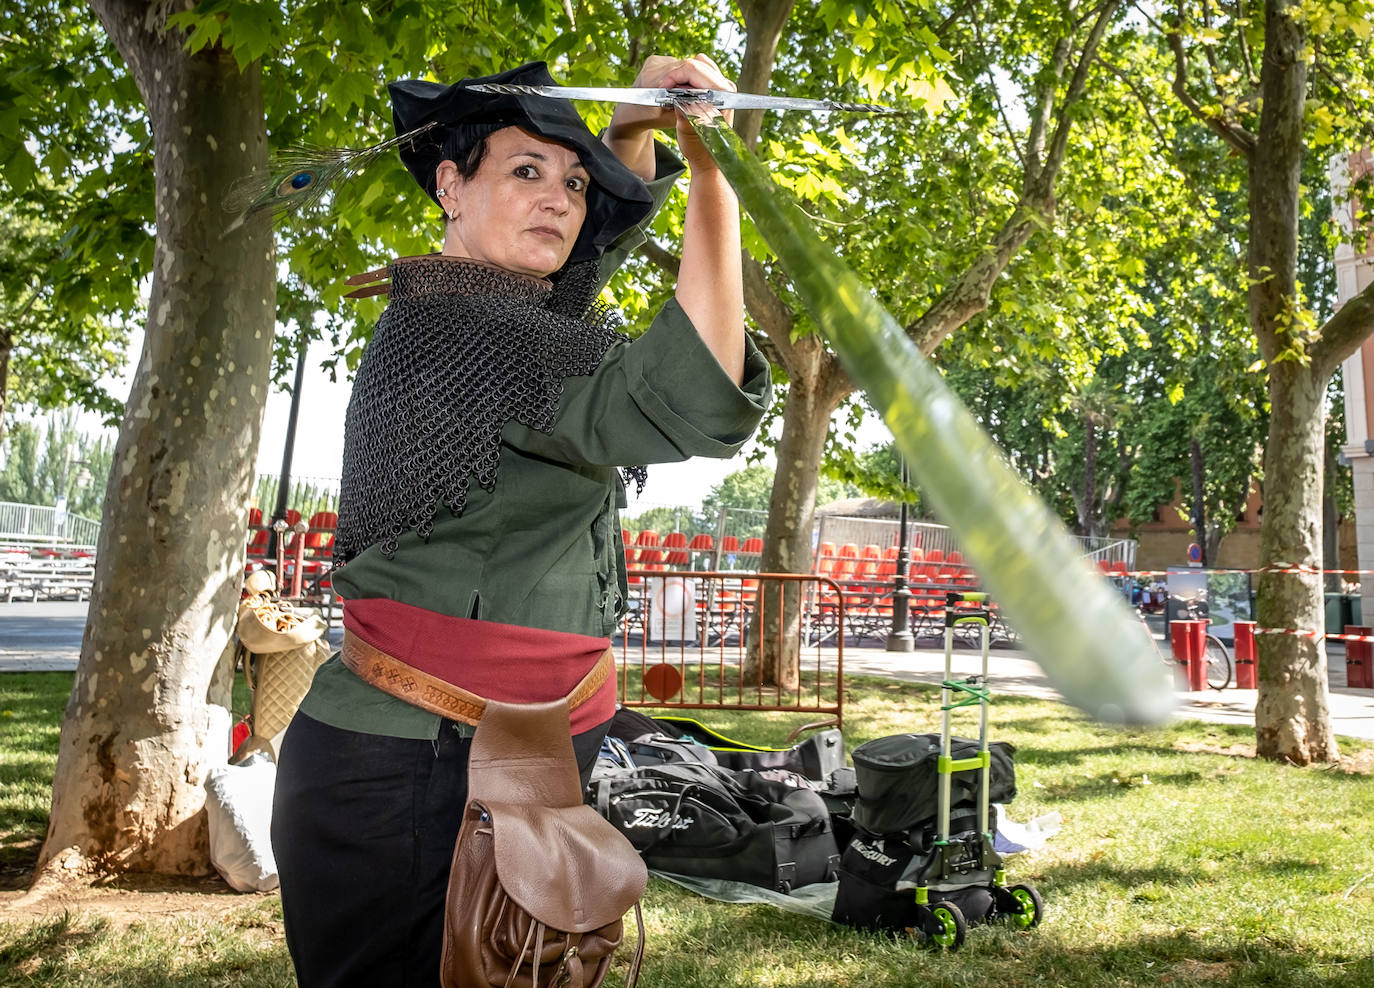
(1108, 550)
(42, 524)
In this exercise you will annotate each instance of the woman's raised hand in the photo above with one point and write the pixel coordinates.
(631, 129)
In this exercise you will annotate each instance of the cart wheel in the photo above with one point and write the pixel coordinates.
(1030, 908)
(950, 927)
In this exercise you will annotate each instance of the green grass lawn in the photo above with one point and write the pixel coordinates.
(1182, 861)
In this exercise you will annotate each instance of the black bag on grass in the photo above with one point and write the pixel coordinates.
(875, 890)
(660, 750)
(700, 820)
(879, 873)
(899, 783)
(628, 724)
(816, 757)
(840, 793)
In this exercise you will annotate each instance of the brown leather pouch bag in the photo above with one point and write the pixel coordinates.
(540, 883)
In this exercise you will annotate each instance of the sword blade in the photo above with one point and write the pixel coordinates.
(673, 97)
(605, 94)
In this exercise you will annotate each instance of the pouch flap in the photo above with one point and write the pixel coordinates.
(565, 866)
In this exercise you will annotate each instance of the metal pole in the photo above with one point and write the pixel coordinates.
(900, 639)
(284, 483)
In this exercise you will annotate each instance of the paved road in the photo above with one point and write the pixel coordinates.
(47, 637)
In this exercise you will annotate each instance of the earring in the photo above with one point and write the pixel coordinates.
(441, 193)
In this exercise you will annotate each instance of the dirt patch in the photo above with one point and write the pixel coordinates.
(1237, 750)
(135, 899)
(1360, 763)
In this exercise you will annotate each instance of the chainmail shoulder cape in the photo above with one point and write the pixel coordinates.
(462, 348)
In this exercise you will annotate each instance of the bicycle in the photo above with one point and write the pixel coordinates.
(1216, 655)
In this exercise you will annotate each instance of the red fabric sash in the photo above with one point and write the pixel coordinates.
(504, 662)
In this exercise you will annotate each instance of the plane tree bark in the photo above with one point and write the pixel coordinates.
(148, 713)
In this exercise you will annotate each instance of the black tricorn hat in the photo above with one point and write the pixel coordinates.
(616, 198)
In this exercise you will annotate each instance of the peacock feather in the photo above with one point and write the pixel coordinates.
(297, 177)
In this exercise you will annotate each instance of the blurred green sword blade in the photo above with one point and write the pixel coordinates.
(1076, 627)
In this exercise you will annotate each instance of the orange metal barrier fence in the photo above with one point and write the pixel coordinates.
(696, 640)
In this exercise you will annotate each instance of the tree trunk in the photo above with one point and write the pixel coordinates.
(1087, 504)
(1293, 717)
(1199, 471)
(763, 24)
(148, 714)
(6, 348)
(774, 641)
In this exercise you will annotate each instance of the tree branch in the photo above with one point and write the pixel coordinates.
(1077, 84)
(1044, 111)
(954, 16)
(662, 256)
(1251, 75)
(763, 24)
(997, 98)
(969, 294)
(772, 315)
(1342, 334)
(1232, 133)
(768, 349)
(1210, 55)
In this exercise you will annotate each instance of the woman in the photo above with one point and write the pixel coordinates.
(478, 526)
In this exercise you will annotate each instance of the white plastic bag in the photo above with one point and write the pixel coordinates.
(239, 805)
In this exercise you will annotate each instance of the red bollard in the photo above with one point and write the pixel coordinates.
(1247, 664)
(1197, 669)
(1197, 658)
(1359, 659)
(1186, 637)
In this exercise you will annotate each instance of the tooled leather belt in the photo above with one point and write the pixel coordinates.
(437, 696)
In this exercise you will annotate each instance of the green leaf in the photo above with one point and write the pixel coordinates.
(20, 169)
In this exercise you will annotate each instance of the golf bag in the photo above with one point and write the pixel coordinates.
(696, 819)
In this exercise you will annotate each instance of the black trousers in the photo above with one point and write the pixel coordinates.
(363, 828)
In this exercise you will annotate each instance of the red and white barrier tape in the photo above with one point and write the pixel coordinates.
(1272, 568)
(1294, 633)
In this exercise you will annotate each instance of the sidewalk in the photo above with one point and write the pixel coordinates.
(46, 637)
(1009, 671)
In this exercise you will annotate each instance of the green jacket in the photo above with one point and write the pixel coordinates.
(543, 548)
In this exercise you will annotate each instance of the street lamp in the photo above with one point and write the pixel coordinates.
(284, 483)
(82, 478)
(900, 639)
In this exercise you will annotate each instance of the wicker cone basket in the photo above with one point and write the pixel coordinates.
(279, 681)
(282, 649)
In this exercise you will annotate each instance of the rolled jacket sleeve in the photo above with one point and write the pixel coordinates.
(657, 399)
